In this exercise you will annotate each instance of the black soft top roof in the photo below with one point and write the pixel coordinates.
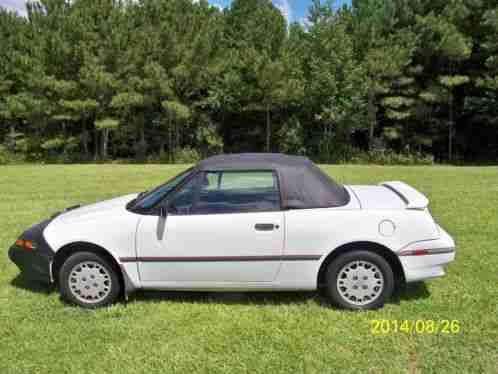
(302, 183)
(252, 161)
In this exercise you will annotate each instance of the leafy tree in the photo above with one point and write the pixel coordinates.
(385, 43)
(255, 24)
(451, 48)
(335, 85)
(178, 115)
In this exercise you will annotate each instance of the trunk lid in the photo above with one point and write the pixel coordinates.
(390, 195)
(412, 198)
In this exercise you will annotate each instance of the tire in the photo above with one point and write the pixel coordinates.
(89, 280)
(359, 280)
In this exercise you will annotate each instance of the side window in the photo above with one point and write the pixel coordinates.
(211, 181)
(155, 196)
(238, 192)
(258, 180)
(181, 202)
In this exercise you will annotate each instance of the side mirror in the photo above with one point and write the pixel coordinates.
(163, 212)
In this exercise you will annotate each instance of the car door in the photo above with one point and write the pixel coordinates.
(222, 227)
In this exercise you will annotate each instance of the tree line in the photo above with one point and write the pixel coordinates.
(176, 80)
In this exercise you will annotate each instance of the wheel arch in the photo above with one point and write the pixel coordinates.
(71, 248)
(374, 247)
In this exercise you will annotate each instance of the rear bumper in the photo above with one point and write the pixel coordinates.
(438, 254)
(33, 265)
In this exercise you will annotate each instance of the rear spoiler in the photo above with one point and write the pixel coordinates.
(412, 198)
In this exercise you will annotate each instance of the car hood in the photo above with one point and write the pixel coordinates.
(378, 197)
(98, 209)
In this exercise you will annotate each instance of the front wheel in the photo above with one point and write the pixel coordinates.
(359, 280)
(88, 280)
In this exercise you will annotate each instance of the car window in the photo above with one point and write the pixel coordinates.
(212, 181)
(238, 192)
(181, 202)
(153, 197)
(247, 180)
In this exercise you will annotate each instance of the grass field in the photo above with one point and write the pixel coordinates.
(255, 333)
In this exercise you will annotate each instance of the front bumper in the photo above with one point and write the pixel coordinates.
(33, 265)
(422, 267)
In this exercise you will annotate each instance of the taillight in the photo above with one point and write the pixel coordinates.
(429, 251)
(415, 252)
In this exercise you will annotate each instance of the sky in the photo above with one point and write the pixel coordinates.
(293, 10)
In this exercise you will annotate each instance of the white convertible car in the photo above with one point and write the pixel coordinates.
(242, 222)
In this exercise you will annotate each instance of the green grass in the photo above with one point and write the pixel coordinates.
(255, 333)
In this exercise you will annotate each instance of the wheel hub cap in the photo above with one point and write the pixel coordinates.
(90, 282)
(360, 282)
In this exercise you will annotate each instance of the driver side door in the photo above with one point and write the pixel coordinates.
(223, 228)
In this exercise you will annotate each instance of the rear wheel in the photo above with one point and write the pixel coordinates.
(88, 280)
(359, 280)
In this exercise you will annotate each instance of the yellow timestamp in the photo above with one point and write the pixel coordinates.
(419, 326)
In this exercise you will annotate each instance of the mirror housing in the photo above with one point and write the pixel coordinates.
(163, 212)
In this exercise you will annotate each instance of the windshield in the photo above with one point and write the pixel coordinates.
(151, 198)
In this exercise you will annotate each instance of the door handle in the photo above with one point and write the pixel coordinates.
(265, 226)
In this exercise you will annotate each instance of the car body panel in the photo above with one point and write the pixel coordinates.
(413, 198)
(210, 248)
(417, 268)
(106, 208)
(329, 229)
(108, 225)
(377, 197)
